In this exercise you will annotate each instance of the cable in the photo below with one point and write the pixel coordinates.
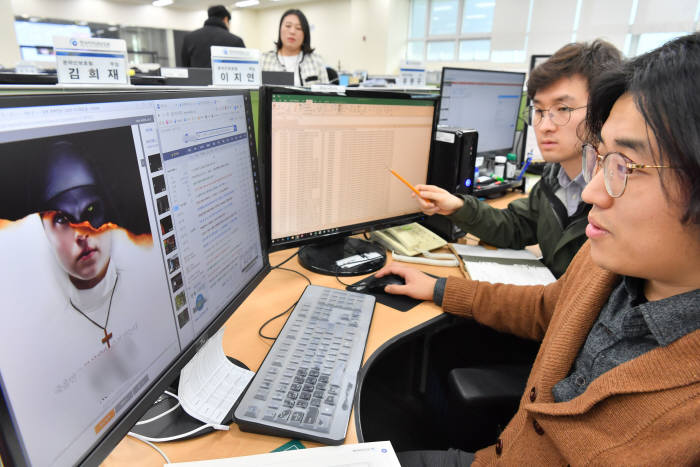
(181, 435)
(135, 436)
(143, 422)
(338, 279)
(296, 272)
(260, 330)
(280, 264)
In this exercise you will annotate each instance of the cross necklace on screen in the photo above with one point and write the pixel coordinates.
(108, 335)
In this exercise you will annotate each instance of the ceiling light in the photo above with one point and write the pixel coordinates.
(245, 3)
(162, 2)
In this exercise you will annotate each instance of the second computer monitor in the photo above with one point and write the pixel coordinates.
(329, 160)
(485, 100)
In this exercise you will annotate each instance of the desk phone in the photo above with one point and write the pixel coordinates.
(408, 240)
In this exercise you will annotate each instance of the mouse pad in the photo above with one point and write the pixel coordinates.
(397, 302)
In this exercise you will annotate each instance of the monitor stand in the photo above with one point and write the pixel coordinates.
(322, 257)
(177, 422)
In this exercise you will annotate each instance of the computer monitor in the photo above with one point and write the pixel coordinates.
(484, 100)
(35, 39)
(130, 230)
(328, 161)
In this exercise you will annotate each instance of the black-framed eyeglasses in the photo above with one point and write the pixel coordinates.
(559, 114)
(616, 168)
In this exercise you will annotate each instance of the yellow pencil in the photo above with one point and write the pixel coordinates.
(408, 185)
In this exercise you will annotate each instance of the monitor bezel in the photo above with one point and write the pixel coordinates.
(11, 447)
(537, 58)
(517, 114)
(265, 124)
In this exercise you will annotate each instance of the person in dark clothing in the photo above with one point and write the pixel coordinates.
(553, 215)
(196, 45)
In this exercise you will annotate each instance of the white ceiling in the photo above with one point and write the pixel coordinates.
(198, 5)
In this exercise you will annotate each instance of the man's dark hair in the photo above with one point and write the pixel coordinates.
(665, 87)
(218, 11)
(306, 44)
(578, 58)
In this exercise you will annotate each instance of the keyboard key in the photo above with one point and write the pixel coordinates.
(311, 416)
(283, 415)
(302, 404)
(297, 417)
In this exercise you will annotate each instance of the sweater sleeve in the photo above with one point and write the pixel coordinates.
(524, 311)
(513, 227)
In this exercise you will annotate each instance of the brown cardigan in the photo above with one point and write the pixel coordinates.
(643, 412)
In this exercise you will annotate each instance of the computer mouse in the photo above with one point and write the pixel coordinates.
(376, 284)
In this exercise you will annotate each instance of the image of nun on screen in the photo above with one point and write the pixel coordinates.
(87, 305)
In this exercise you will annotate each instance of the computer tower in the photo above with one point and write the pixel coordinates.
(452, 168)
(452, 159)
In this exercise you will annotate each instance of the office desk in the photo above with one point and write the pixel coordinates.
(277, 292)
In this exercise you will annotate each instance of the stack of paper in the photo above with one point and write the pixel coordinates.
(501, 265)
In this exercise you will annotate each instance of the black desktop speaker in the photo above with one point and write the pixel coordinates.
(452, 168)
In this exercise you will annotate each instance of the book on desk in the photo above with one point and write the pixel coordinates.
(501, 265)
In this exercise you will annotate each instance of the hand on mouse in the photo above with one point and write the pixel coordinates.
(418, 285)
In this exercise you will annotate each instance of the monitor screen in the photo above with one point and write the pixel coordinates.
(487, 101)
(35, 39)
(329, 159)
(130, 230)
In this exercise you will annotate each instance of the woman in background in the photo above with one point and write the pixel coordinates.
(294, 53)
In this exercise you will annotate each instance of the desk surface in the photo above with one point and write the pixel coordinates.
(277, 291)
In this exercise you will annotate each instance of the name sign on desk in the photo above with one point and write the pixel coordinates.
(235, 66)
(85, 60)
(411, 73)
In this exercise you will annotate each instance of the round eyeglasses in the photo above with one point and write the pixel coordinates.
(559, 114)
(616, 168)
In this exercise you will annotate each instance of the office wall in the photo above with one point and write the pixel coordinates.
(360, 34)
(9, 51)
(101, 11)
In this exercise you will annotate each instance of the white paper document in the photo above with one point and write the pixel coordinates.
(210, 384)
(516, 274)
(503, 265)
(376, 454)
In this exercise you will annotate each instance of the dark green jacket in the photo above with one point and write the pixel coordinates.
(541, 218)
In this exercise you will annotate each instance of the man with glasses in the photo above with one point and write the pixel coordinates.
(553, 215)
(616, 380)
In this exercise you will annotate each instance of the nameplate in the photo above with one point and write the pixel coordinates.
(85, 60)
(411, 73)
(235, 66)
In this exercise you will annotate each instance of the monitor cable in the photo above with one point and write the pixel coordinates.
(260, 331)
(148, 440)
(135, 436)
(283, 262)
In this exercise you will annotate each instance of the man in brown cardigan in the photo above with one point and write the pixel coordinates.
(617, 377)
